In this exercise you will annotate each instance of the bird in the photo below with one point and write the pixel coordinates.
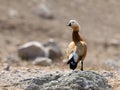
(77, 48)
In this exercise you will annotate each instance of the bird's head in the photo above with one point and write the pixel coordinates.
(74, 25)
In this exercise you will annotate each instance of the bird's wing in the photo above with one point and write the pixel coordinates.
(79, 50)
(70, 49)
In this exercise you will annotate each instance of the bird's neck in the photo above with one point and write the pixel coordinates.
(76, 37)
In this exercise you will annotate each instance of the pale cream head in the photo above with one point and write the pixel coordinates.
(74, 25)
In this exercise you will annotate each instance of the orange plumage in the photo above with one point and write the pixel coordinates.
(77, 48)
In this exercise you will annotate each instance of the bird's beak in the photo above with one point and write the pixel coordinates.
(69, 24)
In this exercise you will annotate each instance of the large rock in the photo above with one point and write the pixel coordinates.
(75, 80)
(34, 49)
(31, 50)
(54, 52)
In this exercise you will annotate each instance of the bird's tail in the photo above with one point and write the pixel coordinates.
(72, 61)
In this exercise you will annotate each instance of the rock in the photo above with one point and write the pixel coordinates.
(42, 61)
(32, 87)
(54, 52)
(12, 13)
(44, 12)
(7, 67)
(75, 80)
(115, 42)
(31, 50)
(107, 74)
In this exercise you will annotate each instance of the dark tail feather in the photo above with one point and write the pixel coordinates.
(69, 61)
(72, 63)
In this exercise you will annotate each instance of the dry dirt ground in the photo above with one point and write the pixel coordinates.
(100, 24)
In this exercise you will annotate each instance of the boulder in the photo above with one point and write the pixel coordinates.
(42, 61)
(34, 49)
(31, 50)
(54, 52)
(75, 80)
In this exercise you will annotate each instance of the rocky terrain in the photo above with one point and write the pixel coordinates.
(76, 80)
(24, 21)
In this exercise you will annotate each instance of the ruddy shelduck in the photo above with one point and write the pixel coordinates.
(77, 48)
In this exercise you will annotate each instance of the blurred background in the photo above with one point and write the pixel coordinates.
(44, 21)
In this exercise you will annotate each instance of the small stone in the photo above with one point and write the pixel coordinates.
(12, 13)
(114, 42)
(107, 74)
(42, 61)
(57, 71)
(7, 67)
(43, 11)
